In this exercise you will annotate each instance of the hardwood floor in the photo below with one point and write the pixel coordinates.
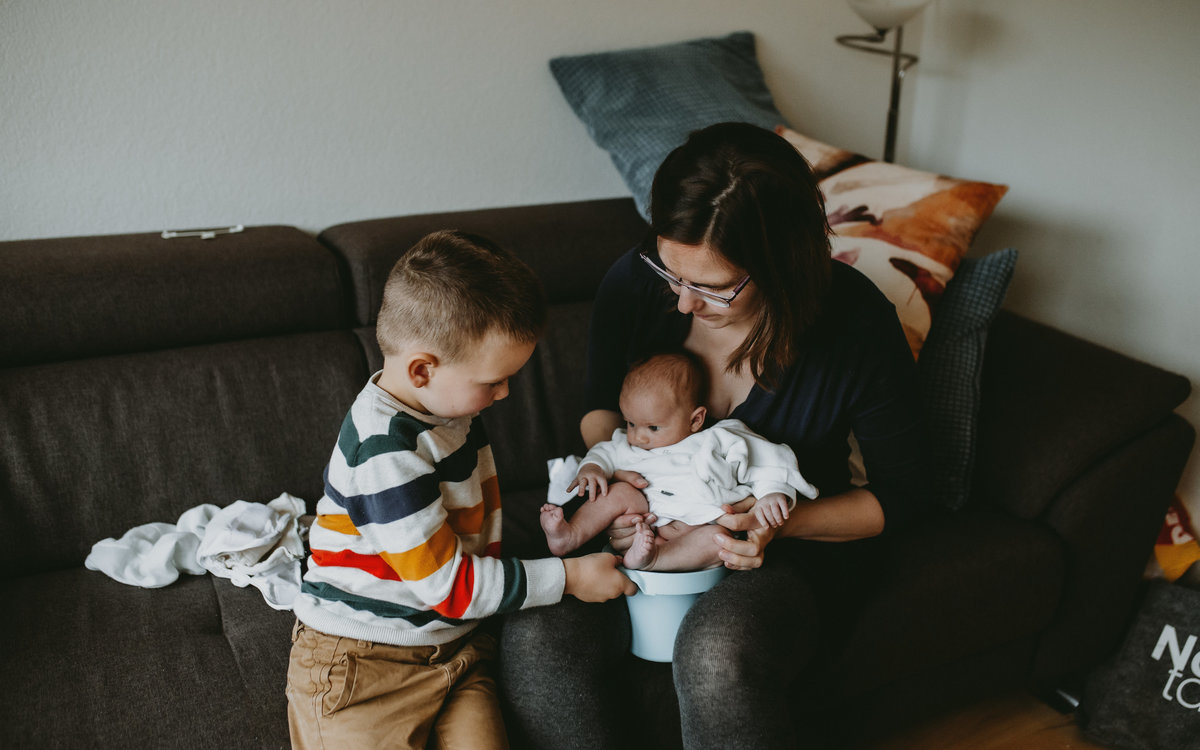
(1017, 722)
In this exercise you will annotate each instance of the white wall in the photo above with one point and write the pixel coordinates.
(1088, 110)
(139, 115)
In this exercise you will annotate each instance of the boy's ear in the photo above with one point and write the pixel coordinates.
(698, 418)
(420, 368)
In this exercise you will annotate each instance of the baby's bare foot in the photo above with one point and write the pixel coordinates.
(641, 555)
(558, 531)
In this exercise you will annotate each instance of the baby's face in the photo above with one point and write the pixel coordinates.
(655, 417)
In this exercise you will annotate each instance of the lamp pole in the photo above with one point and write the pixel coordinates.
(889, 140)
(901, 62)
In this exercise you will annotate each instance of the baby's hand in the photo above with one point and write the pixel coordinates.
(772, 510)
(589, 480)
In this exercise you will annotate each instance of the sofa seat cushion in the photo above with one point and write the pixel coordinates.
(260, 639)
(101, 664)
(955, 585)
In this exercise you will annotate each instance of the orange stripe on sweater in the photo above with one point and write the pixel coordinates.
(470, 520)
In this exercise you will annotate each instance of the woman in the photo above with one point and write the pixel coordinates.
(804, 351)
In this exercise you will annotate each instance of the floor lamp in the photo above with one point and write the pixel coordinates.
(885, 16)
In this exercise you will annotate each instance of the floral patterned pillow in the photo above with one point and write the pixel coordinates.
(903, 228)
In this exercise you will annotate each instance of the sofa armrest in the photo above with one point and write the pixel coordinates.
(1052, 406)
(1086, 440)
(1108, 519)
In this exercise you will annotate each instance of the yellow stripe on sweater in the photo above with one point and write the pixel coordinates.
(425, 559)
(339, 523)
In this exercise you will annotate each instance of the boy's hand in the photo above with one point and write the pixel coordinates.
(771, 510)
(590, 480)
(595, 578)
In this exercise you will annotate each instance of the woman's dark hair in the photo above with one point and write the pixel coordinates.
(746, 193)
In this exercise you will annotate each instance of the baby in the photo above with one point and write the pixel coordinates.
(692, 472)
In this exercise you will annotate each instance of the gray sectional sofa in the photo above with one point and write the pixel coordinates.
(140, 377)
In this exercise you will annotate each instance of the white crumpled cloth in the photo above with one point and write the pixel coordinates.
(251, 544)
(562, 472)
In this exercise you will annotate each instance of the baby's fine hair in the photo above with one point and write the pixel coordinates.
(681, 372)
(453, 288)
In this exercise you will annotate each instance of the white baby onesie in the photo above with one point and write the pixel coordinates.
(692, 479)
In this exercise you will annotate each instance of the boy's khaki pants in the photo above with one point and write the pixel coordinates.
(344, 693)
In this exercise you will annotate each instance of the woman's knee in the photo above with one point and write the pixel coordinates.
(569, 630)
(555, 664)
(711, 654)
(753, 623)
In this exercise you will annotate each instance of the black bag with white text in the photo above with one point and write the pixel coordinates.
(1147, 697)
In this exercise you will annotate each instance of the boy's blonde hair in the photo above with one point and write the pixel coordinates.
(681, 372)
(451, 289)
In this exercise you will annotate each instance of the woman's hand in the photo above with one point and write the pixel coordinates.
(738, 516)
(743, 554)
(844, 517)
(630, 477)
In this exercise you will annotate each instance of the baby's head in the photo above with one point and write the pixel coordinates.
(661, 400)
(460, 315)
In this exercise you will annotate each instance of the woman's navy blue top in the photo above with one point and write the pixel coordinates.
(854, 372)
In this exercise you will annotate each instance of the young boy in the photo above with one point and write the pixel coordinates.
(692, 472)
(405, 549)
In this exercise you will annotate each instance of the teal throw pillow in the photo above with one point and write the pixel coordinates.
(639, 104)
(950, 366)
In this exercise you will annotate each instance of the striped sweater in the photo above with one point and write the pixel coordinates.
(406, 546)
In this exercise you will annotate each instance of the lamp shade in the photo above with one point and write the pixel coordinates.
(887, 14)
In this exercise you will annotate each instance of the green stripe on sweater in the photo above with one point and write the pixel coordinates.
(416, 617)
(403, 431)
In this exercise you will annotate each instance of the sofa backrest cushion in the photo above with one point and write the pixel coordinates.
(569, 245)
(93, 448)
(79, 297)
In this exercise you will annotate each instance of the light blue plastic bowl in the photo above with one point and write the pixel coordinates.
(658, 607)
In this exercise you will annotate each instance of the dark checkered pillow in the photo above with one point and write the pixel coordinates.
(950, 372)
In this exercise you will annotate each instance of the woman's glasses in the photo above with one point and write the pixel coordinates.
(677, 283)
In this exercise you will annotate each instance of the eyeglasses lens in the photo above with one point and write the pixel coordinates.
(678, 283)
